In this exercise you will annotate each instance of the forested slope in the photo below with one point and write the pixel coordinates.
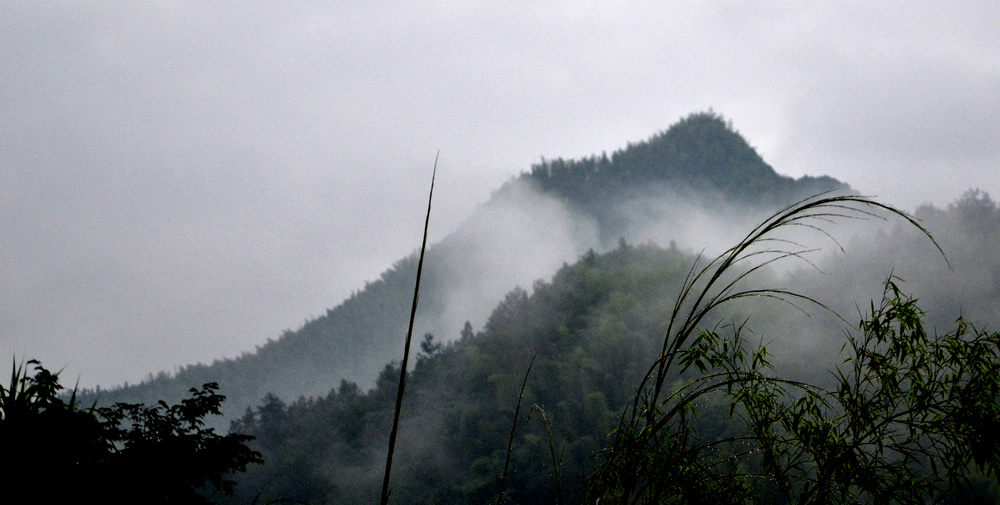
(592, 330)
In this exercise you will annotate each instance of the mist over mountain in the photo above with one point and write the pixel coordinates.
(698, 184)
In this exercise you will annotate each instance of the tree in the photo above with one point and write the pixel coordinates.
(127, 453)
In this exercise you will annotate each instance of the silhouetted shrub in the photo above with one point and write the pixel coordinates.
(128, 453)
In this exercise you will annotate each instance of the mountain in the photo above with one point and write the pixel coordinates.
(674, 187)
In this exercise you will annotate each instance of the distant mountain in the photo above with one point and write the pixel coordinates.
(699, 169)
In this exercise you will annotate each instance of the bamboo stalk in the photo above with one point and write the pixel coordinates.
(406, 347)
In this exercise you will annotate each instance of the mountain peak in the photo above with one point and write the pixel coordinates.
(700, 146)
(701, 152)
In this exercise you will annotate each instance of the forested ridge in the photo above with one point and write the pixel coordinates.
(701, 154)
(701, 158)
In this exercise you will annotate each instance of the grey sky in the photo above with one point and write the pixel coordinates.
(180, 181)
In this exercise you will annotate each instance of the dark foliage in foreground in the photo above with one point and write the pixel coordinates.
(55, 452)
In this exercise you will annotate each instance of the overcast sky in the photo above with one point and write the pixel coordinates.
(180, 181)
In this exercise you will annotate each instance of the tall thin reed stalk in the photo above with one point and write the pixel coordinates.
(406, 347)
